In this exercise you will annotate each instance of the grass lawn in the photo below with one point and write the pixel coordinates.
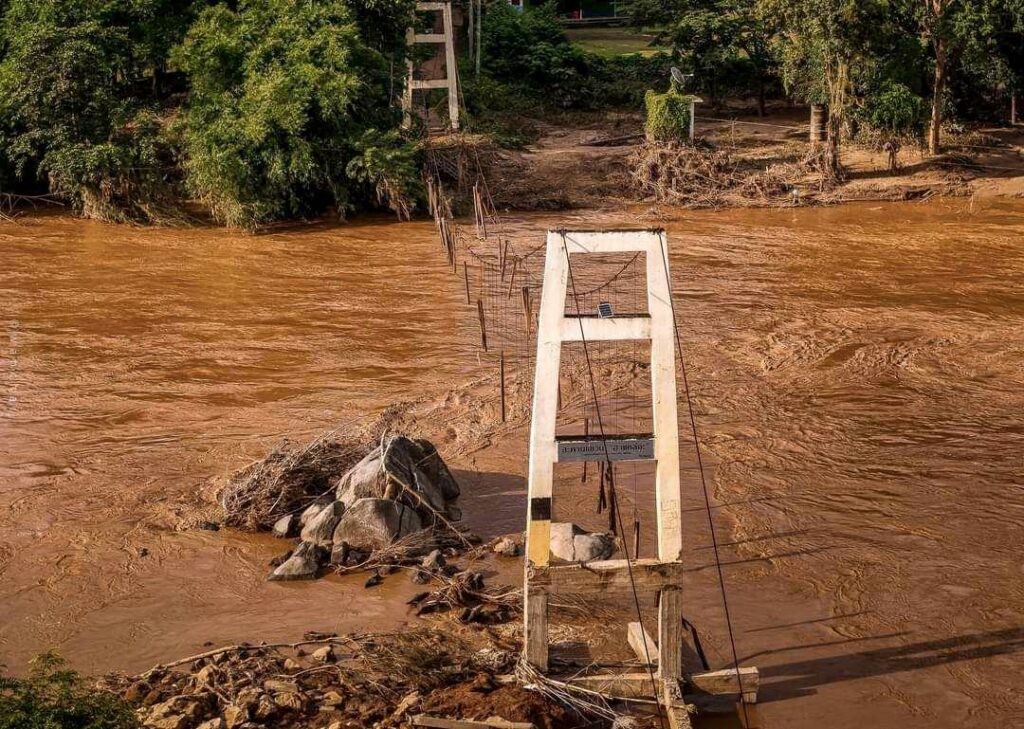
(613, 41)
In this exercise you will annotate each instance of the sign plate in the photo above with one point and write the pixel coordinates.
(618, 449)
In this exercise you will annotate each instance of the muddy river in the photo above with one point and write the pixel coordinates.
(858, 378)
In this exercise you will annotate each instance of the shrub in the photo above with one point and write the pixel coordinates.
(283, 92)
(668, 116)
(530, 50)
(896, 110)
(53, 697)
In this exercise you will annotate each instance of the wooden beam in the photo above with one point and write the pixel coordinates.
(494, 722)
(429, 38)
(618, 685)
(649, 575)
(677, 710)
(670, 633)
(535, 627)
(638, 685)
(429, 83)
(663, 393)
(725, 682)
(642, 644)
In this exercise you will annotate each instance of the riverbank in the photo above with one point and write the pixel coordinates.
(849, 365)
(750, 161)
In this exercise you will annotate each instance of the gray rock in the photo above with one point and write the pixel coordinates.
(434, 561)
(309, 512)
(573, 544)
(320, 529)
(506, 547)
(400, 466)
(365, 480)
(370, 524)
(285, 526)
(340, 553)
(304, 563)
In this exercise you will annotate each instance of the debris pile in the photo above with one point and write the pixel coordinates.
(700, 175)
(390, 508)
(287, 480)
(335, 682)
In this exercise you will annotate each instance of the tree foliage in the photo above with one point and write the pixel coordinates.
(53, 696)
(282, 92)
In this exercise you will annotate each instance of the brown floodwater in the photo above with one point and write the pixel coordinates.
(857, 375)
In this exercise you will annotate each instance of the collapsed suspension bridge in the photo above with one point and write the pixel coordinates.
(599, 338)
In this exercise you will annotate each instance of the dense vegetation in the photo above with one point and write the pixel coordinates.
(907, 66)
(273, 109)
(53, 697)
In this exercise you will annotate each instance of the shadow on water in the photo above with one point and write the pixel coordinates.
(801, 678)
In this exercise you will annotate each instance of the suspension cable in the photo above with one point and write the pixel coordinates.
(704, 484)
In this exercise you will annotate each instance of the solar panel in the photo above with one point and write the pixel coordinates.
(604, 310)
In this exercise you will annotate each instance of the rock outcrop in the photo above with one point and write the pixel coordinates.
(370, 524)
(399, 488)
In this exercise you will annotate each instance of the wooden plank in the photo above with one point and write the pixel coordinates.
(429, 83)
(590, 578)
(595, 329)
(725, 682)
(429, 38)
(642, 643)
(451, 71)
(618, 685)
(670, 633)
(438, 722)
(535, 627)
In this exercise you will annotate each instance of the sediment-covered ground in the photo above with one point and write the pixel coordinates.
(856, 373)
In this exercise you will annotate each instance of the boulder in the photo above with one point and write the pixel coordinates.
(370, 524)
(310, 511)
(285, 526)
(304, 564)
(402, 465)
(506, 547)
(320, 529)
(573, 544)
(365, 480)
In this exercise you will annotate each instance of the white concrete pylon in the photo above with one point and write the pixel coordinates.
(554, 327)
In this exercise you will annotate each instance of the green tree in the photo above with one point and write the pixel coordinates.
(715, 38)
(822, 43)
(54, 697)
(77, 110)
(282, 94)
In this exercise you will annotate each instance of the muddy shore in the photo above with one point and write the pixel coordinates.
(857, 377)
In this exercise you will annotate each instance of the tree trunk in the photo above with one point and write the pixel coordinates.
(938, 88)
